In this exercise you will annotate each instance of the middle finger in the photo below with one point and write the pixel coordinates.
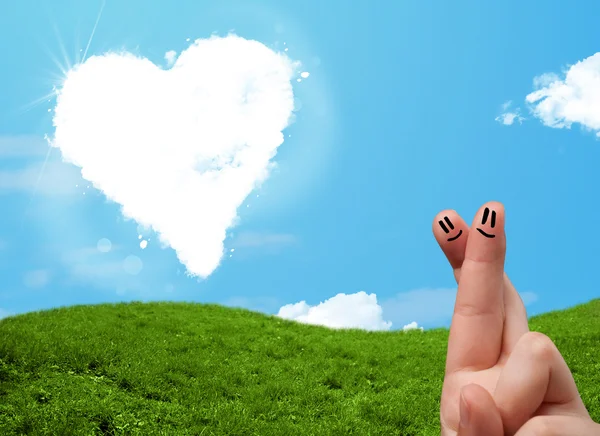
(476, 331)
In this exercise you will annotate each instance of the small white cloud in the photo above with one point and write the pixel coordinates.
(412, 326)
(179, 150)
(170, 57)
(545, 80)
(560, 103)
(359, 310)
(294, 311)
(36, 279)
(528, 297)
(509, 117)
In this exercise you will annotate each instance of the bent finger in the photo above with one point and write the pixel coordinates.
(559, 426)
(451, 233)
(535, 373)
(515, 319)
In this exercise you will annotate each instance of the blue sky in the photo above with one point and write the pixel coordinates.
(401, 117)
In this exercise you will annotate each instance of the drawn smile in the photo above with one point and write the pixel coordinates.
(485, 234)
(445, 229)
(455, 237)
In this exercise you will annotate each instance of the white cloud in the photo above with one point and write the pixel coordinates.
(509, 117)
(412, 326)
(179, 149)
(359, 310)
(545, 80)
(528, 297)
(37, 278)
(170, 57)
(559, 103)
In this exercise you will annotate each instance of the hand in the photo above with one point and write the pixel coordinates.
(500, 378)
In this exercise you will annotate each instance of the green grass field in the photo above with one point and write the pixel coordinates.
(194, 369)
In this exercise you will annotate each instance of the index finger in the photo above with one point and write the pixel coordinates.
(451, 233)
(475, 340)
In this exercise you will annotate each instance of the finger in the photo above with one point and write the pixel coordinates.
(451, 233)
(535, 373)
(476, 331)
(559, 426)
(515, 319)
(478, 413)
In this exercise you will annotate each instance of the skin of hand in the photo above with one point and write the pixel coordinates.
(501, 379)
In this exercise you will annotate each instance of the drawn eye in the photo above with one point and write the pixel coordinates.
(445, 229)
(484, 218)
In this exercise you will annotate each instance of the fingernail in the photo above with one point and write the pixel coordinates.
(465, 413)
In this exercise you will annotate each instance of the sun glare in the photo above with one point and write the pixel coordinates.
(57, 80)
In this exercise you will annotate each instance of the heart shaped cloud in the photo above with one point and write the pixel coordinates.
(178, 149)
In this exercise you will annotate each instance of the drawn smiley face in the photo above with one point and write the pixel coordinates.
(445, 229)
(484, 219)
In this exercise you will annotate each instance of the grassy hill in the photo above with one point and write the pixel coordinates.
(194, 369)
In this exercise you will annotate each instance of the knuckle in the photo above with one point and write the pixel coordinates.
(539, 345)
(470, 309)
(539, 426)
(480, 260)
